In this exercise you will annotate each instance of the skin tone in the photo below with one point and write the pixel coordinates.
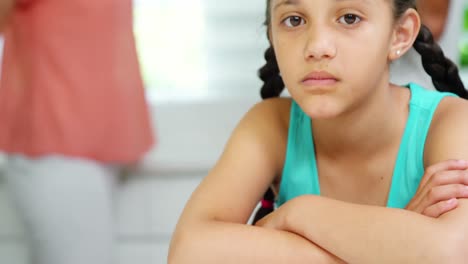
(312, 41)
(434, 15)
(6, 6)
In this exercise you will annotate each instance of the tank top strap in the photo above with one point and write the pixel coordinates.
(299, 175)
(409, 165)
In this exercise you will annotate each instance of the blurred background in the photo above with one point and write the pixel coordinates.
(199, 60)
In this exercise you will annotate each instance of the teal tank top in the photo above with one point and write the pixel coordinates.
(300, 174)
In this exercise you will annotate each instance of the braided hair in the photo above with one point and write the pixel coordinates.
(272, 86)
(443, 71)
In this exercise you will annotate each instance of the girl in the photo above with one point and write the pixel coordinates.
(366, 171)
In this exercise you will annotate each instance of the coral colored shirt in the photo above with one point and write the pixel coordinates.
(71, 82)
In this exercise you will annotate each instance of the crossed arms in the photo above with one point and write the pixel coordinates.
(313, 229)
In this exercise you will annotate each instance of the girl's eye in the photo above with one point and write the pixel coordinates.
(294, 21)
(349, 19)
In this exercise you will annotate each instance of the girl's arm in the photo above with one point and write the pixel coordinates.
(224, 242)
(212, 227)
(368, 234)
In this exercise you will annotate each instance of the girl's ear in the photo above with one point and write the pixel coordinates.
(270, 39)
(405, 31)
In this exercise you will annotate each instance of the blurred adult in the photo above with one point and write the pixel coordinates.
(72, 116)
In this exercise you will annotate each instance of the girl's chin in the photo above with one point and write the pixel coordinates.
(320, 109)
(322, 115)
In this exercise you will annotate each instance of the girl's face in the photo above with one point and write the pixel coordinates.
(332, 54)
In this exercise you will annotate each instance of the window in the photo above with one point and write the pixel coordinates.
(200, 48)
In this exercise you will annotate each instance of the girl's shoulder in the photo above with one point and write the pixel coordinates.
(448, 134)
(272, 113)
(269, 115)
(265, 127)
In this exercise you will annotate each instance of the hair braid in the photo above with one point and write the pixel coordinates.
(273, 84)
(444, 72)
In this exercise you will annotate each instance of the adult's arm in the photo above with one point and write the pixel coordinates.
(6, 8)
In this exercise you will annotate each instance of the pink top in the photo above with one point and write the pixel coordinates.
(71, 82)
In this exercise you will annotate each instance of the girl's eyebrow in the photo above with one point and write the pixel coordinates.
(296, 2)
(363, 1)
(286, 2)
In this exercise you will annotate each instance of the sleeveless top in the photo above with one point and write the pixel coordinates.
(300, 174)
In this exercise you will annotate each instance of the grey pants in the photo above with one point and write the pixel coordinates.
(66, 205)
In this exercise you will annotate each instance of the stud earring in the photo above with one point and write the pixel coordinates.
(398, 52)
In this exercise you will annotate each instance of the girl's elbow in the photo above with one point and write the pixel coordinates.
(452, 248)
(179, 249)
(188, 245)
(459, 249)
(173, 256)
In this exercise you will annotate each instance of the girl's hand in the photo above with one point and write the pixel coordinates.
(440, 187)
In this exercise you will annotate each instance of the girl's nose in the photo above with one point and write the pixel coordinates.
(320, 45)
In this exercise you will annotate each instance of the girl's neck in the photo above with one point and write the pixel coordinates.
(365, 131)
